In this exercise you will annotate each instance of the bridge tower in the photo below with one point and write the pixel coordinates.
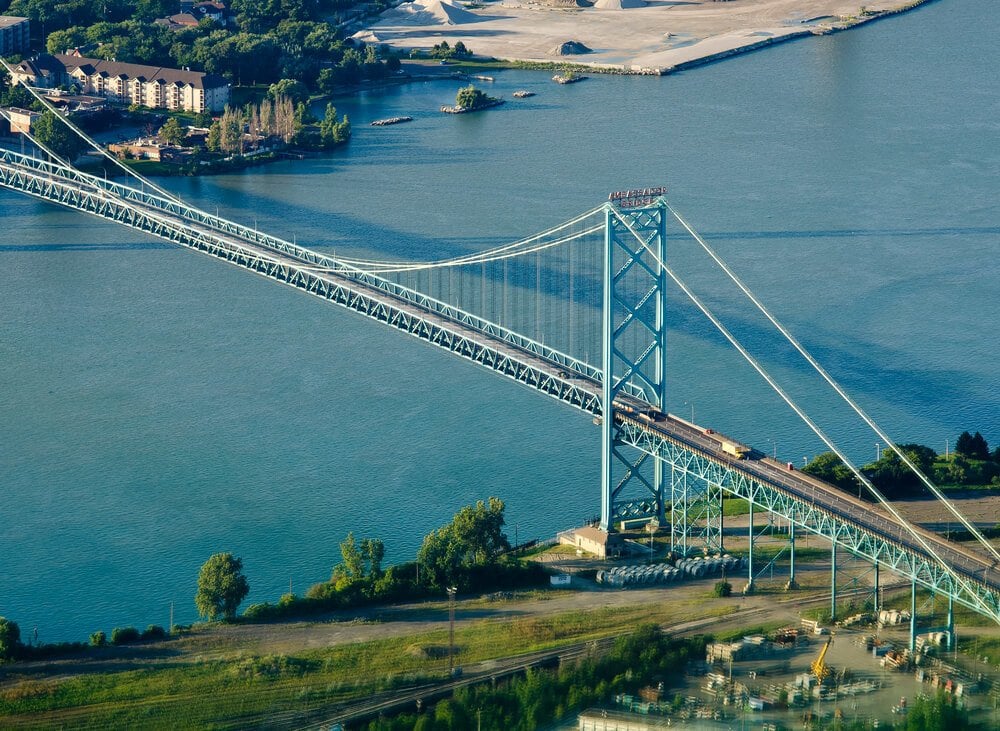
(633, 348)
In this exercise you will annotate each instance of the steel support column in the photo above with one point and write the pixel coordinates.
(633, 359)
(875, 603)
(749, 586)
(791, 557)
(833, 580)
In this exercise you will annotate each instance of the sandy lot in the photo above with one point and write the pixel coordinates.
(655, 36)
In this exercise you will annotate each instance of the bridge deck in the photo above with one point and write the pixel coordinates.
(806, 488)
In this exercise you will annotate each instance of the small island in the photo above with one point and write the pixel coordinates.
(570, 77)
(471, 99)
(390, 120)
(523, 94)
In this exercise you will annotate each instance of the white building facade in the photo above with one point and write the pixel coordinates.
(128, 83)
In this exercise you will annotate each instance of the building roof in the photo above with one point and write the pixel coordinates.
(178, 77)
(596, 535)
(42, 66)
(185, 19)
(6, 21)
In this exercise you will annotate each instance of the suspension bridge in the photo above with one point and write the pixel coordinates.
(578, 312)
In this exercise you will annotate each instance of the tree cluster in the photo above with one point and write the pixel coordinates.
(52, 132)
(468, 553)
(276, 117)
(469, 97)
(263, 42)
(541, 697)
(972, 463)
(444, 51)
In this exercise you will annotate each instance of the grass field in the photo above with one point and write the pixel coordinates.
(202, 683)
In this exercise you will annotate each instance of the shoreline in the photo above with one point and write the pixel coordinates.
(658, 39)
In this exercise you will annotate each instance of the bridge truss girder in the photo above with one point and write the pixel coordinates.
(359, 294)
(856, 540)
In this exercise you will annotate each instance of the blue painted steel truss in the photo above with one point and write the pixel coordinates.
(461, 333)
(633, 354)
(864, 543)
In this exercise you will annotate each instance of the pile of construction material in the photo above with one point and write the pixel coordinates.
(890, 617)
(749, 648)
(665, 573)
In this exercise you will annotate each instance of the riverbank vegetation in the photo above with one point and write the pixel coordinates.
(471, 553)
(972, 464)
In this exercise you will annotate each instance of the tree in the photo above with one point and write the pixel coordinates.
(331, 131)
(292, 88)
(172, 131)
(469, 97)
(828, 466)
(353, 566)
(231, 131)
(373, 551)
(221, 587)
(10, 639)
(214, 139)
(893, 478)
(51, 132)
(937, 713)
(358, 563)
(473, 538)
(974, 447)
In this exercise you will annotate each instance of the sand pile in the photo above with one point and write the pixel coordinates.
(570, 48)
(431, 12)
(619, 4)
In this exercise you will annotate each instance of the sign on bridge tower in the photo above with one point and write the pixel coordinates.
(634, 349)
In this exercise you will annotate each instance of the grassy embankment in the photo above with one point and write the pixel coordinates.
(206, 679)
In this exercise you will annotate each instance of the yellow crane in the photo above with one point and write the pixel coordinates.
(819, 667)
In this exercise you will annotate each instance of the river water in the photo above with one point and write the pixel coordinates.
(157, 406)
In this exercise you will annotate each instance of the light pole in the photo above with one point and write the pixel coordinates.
(452, 590)
(691, 404)
(878, 451)
(652, 527)
(774, 452)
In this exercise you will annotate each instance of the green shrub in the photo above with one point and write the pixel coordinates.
(10, 639)
(722, 588)
(124, 635)
(154, 632)
(98, 639)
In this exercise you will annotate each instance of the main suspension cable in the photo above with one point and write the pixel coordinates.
(836, 386)
(816, 429)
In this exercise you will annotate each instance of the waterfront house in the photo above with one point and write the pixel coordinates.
(128, 83)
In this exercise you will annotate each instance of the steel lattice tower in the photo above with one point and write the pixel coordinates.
(634, 348)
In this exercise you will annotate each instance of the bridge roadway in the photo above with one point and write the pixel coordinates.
(363, 293)
(806, 488)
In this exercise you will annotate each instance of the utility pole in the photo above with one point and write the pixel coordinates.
(452, 590)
